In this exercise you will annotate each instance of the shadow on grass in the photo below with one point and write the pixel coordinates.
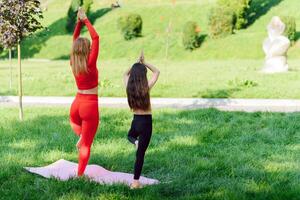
(8, 92)
(259, 8)
(98, 14)
(234, 86)
(33, 45)
(297, 36)
(62, 57)
(201, 38)
(221, 93)
(200, 154)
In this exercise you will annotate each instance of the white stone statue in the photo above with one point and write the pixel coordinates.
(276, 47)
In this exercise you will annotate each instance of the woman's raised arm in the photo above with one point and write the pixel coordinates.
(95, 41)
(94, 36)
(77, 30)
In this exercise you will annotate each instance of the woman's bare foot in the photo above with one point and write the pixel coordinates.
(135, 184)
(78, 144)
(136, 144)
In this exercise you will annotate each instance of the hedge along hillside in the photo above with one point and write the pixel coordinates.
(290, 28)
(239, 9)
(221, 22)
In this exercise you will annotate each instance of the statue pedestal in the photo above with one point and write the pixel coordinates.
(276, 65)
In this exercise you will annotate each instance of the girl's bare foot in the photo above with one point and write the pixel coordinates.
(136, 144)
(135, 184)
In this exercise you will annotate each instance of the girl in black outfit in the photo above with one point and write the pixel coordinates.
(138, 88)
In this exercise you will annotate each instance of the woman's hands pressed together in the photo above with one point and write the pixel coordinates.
(81, 14)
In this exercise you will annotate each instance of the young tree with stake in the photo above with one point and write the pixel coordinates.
(18, 19)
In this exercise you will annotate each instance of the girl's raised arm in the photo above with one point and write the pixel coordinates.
(155, 71)
(155, 74)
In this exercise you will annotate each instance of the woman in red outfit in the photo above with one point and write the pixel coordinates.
(84, 114)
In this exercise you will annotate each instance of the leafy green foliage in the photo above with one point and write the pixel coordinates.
(239, 9)
(72, 15)
(86, 4)
(18, 19)
(242, 83)
(221, 21)
(130, 25)
(290, 27)
(72, 12)
(190, 37)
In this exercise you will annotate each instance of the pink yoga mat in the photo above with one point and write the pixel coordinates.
(64, 170)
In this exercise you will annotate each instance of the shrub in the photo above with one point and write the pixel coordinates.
(86, 4)
(290, 27)
(239, 9)
(130, 26)
(72, 12)
(220, 21)
(190, 36)
(72, 15)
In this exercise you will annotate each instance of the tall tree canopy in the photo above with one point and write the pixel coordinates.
(18, 19)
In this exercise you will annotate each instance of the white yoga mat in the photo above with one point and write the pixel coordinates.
(64, 170)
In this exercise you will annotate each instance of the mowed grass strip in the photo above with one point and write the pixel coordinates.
(196, 154)
(206, 79)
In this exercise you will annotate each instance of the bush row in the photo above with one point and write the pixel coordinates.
(228, 15)
(223, 19)
(131, 25)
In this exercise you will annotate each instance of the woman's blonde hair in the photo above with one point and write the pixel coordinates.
(79, 55)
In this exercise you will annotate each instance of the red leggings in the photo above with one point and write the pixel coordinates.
(84, 120)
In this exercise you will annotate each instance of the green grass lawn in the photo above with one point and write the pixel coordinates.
(55, 42)
(196, 154)
(209, 79)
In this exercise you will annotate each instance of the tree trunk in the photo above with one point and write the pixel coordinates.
(20, 83)
(10, 66)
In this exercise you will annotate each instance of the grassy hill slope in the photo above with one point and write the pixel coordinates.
(55, 43)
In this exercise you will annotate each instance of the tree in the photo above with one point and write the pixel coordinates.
(72, 12)
(18, 19)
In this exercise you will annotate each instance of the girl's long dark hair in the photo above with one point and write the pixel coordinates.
(138, 89)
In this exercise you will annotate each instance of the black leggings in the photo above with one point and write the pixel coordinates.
(141, 130)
